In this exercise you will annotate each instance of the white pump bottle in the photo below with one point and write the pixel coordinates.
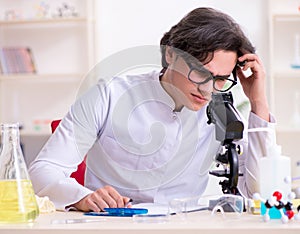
(275, 173)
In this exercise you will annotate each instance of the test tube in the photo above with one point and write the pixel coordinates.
(296, 62)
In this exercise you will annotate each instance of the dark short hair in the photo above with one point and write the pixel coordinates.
(203, 31)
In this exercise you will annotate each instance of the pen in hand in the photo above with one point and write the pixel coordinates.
(128, 204)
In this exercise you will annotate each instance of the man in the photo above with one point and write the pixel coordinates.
(146, 136)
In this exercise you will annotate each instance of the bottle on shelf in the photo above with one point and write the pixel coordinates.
(296, 61)
(18, 202)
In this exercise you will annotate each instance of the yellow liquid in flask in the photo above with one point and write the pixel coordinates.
(17, 202)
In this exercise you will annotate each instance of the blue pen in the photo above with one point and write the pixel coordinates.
(119, 212)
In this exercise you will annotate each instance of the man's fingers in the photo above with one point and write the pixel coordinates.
(111, 196)
(127, 202)
(91, 205)
(97, 202)
(106, 197)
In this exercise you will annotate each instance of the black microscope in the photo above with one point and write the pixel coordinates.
(228, 128)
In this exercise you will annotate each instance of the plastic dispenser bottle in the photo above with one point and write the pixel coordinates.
(17, 199)
(275, 175)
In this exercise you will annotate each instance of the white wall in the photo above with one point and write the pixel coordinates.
(124, 24)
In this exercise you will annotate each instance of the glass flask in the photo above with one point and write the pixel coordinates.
(17, 199)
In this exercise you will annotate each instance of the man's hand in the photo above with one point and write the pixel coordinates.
(254, 85)
(106, 197)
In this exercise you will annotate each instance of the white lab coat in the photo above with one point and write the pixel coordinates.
(136, 143)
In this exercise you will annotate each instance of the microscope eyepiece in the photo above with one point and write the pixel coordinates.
(223, 114)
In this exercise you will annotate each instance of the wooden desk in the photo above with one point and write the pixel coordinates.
(200, 222)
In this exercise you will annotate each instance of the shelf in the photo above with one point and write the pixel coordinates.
(286, 17)
(42, 77)
(284, 81)
(43, 21)
(25, 133)
(289, 72)
(63, 53)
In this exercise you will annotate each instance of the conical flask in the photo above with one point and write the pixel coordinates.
(17, 199)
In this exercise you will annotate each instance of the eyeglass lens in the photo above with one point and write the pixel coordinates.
(203, 76)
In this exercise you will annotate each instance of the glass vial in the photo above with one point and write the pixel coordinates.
(296, 62)
(17, 199)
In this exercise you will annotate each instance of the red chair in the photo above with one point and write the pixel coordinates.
(79, 174)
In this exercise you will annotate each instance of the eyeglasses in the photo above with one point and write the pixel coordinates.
(200, 76)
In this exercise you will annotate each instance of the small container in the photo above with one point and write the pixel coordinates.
(253, 206)
(17, 199)
(296, 63)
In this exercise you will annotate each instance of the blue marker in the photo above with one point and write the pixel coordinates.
(119, 212)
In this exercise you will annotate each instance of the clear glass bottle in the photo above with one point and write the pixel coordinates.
(17, 199)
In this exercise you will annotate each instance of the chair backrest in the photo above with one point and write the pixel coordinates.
(79, 174)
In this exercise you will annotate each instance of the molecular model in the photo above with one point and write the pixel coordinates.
(297, 216)
(275, 201)
(65, 10)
